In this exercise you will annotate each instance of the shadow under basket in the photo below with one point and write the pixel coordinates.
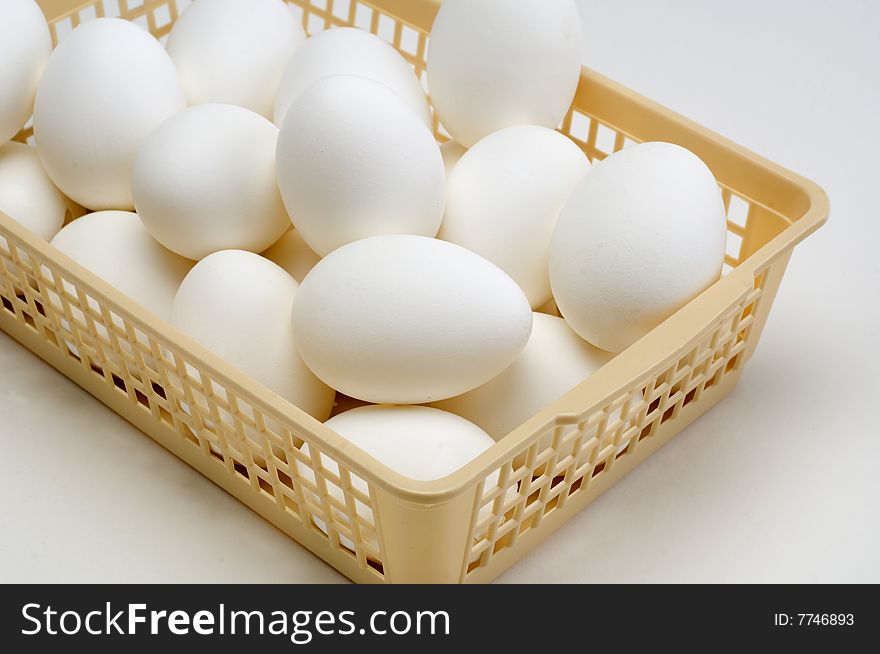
(457, 529)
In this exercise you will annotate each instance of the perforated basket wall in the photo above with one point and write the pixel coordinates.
(386, 528)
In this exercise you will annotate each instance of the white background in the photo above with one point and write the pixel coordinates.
(779, 483)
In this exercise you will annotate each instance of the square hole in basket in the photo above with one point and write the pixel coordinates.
(165, 416)
(738, 211)
(87, 13)
(409, 40)
(386, 28)
(63, 27)
(363, 17)
(605, 139)
(50, 336)
(142, 22)
(734, 246)
(132, 4)
(580, 127)
(162, 16)
(315, 24)
(111, 8)
(342, 9)
(7, 305)
(118, 382)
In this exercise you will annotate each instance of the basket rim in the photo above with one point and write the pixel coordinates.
(610, 380)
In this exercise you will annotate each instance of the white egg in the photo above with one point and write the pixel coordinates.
(641, 236)
(204, 181)
(115, 246)
(234, 52)
(354, 161)
(415, 441)
(498, 63)
(106, 87)
(27, 195)
(452, 152)
(504, 197)
(292, 254)
(237, 304)
(554, 361)
(25, 46)
(350, 51)
(408, 320)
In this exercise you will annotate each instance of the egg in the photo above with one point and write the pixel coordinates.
(499, 63)
(415, 441)
(350, 51)
(204, 181)
(504, 197)
(408, 320)
(115, 246)
(106, 86)
(643, 234)
(234, 52)
(237, 304)
(27, 195)
(25, 46)
(452, 153)
(292, 254)
(342, 181)
(554, 361)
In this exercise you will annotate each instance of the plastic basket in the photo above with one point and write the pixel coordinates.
(248, 440)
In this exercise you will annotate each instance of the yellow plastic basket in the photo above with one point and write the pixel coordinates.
(247, 440)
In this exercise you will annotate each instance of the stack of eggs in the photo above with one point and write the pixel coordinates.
(283, 201)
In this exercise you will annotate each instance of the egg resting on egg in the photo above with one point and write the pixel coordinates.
(25, 45)
(554, 361)
(27, 195)
(354, 161)
(498, 63)
(115, 246)
(408, 320)
(204, 181)
(350, 51)
(106, 86)
(237, 304)
(504, 196)
(643, 234)
(234, 52)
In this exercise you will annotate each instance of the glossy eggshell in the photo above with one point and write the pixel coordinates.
(408, 320)
(237, 304)
(641, 236)
(25, 46)
(504, 197)
(342, 181)
(350, 51)
(204, 181)
(27, 195)
(234, 52)
(115, 246)
(106, 86)
(554, 361)
(497, 63)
